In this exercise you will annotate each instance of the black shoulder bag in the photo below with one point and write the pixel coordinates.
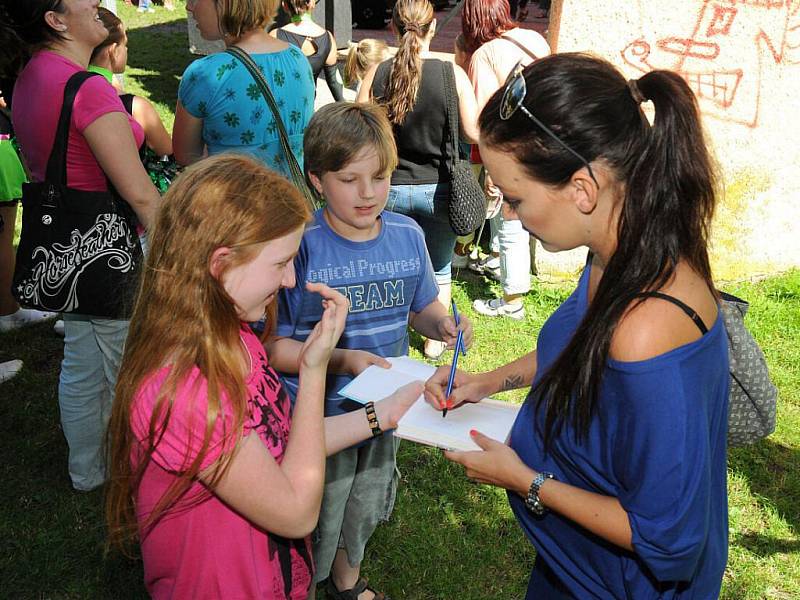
(298, 178)
(467, 208)
(78, 251)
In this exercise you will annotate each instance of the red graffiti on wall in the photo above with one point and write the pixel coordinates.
(724, 34)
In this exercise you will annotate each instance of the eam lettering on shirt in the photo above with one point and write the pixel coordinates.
(374, 295)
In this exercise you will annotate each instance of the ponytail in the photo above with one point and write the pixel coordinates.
(412, 20)
(361, 56)
(669, 181)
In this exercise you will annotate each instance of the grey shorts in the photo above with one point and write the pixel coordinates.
(360, 489)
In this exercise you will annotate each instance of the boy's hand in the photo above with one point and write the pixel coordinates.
(356, 361)
(448, 332)
(319, 345)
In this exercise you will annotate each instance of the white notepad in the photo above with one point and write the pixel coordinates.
(423, 423)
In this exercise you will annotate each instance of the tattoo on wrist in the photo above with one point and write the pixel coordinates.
(512, 382)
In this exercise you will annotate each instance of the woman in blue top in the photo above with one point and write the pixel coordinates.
(615, 467)
(220, 107)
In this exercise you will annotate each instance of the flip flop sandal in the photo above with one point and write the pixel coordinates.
(353, 593)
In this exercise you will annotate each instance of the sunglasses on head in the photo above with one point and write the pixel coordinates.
(513, 97)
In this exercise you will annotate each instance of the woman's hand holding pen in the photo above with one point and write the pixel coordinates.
(495, 464)
(319, 345)
(467, 387)
(448, 331)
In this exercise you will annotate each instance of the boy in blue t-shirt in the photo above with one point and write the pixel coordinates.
(379, 261)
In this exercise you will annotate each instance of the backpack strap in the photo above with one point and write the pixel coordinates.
(682, 305)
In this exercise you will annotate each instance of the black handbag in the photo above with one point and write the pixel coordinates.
(467, 207)
(78, 251)
(298, 178)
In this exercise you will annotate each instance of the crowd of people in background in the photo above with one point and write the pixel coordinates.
(212, 411)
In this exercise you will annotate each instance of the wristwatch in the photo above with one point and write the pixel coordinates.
(532, 501)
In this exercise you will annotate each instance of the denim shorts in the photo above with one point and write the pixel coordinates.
(359, 493)
(427, 204)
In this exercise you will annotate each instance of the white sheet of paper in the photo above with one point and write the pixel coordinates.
(423, 423)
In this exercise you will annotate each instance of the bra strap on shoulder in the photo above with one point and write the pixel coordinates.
(682, 305)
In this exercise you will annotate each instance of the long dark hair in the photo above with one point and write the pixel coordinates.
(23, 30)
(669, 195)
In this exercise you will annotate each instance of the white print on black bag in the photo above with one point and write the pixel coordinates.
(55, 270)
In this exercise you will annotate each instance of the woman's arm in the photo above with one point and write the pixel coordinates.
(365, 91)
(498, 464)
(155, 134)
(113, 145)
(187, 137)
(469, 387)
(467, 106)
(332, 76)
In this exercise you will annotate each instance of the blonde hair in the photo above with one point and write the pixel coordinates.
(237, 17)
(339, 131)
(412, 20)
(361, 57)
(185, 319)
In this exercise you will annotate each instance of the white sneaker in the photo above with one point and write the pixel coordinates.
(9, 369)
(23, 317)
(497, 307)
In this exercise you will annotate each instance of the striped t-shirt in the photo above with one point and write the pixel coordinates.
(384, 278)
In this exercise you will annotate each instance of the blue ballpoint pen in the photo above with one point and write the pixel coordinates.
(458, 347)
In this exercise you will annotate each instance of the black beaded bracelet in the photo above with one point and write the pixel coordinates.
(372, 419)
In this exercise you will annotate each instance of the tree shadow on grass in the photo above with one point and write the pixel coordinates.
(162, 51)
(770, 468)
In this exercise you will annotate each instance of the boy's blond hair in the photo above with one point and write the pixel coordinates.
(340, 130)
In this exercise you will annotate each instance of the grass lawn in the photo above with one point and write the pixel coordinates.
(448, 538)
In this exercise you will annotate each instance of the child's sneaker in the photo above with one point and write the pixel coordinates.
(497, 307)
(23, 317)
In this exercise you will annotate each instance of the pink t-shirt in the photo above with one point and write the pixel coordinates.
(201, 548)
(38, 96)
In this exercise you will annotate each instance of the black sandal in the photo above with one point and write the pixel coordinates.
(360, 587)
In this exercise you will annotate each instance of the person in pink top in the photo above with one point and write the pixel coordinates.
(495, 44)
(44, 43)
(214, 471)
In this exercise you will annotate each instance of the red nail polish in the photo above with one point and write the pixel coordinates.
(473, 432)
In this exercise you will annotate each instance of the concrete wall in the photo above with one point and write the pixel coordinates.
(742, 59)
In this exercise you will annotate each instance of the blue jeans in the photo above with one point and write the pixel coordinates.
(92, 355)
(427, 204)
(514, 245)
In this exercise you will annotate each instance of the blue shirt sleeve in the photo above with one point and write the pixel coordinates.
(662, 460)
(196, 89)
